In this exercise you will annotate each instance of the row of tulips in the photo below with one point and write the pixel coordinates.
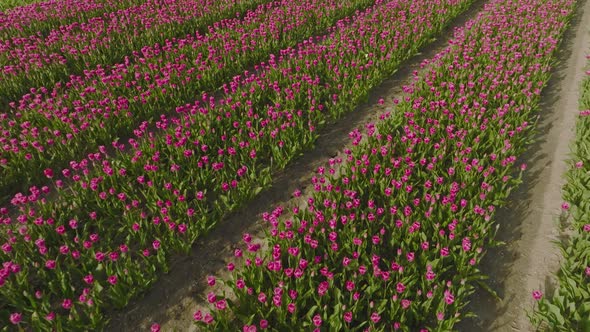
(102, 239)
(41, 17)
(43, 60)
(48, 128)
(568, 309)
(8, 4)
(392, 234)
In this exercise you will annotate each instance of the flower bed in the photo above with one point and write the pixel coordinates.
(41, 17)
(49, 128)
(103, 239)
(6, 5)
(568, 309)
(391, 237)
(41, 61)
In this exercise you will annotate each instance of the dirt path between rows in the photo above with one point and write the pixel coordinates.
(530, 223)
(174, 298)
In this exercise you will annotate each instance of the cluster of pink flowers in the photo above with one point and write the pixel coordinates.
(41, 60)
(391, 235)
(55, 126)
(77, 40)
(29, 19)
(128, 206)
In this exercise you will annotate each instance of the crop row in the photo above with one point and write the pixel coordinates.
(568, 309)
(8, 4)
(41, 17)
(51, 127)
(42, 60)
(392, 234)
(101, 240)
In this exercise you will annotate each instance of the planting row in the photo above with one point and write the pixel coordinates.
(8, 4)
(568, 309)
(102, 239)
(47, 128)
(41, 61)
(392, 234)
(41, 17)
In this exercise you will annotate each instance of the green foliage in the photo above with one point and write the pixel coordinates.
(568, 308)
(9, 4)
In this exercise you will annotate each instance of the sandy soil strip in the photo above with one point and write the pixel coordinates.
(529, 223)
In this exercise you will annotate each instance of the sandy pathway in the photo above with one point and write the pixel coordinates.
(174, 298)
(529, 224)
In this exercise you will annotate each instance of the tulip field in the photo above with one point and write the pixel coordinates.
(130, 129)
(14, 3)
